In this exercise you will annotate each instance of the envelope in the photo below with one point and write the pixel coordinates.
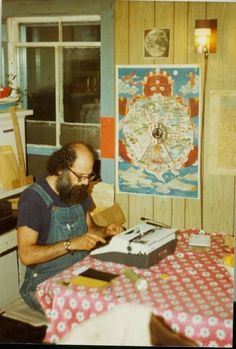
(108, 215)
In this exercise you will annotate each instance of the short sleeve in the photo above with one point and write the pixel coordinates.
(29, 212)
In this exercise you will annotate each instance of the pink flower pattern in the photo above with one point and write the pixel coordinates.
(196, 299)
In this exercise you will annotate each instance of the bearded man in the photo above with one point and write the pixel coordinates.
(54, 227)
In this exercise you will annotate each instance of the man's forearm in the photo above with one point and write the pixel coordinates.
(36, 254)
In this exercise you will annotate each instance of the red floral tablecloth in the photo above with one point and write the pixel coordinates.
(191, 290)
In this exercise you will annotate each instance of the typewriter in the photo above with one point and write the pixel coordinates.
(142, 245)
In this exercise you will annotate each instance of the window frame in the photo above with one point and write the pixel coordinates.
(14, 43)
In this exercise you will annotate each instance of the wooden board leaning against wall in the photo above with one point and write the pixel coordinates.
(215, 210)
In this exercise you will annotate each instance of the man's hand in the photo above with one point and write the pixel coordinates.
(113, 229)
(86, 241)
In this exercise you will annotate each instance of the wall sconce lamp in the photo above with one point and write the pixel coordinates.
(205, 36)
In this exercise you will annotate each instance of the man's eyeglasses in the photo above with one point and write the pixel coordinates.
(81, 176)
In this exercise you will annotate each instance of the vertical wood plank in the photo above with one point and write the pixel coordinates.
(164, 18)
(180, 35)
(140, 206)
(121, 32)
(162, 210)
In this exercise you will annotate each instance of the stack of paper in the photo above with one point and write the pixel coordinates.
(200, 240)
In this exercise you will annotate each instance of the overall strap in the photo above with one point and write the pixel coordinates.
(45, 196)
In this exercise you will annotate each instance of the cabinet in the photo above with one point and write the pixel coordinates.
(11, 270)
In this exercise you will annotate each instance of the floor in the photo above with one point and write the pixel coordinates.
(12, 331)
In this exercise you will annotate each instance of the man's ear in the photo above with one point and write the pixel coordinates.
(60, 172)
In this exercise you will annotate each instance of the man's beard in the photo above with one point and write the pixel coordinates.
(68, 193)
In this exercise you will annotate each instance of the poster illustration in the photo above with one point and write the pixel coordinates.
(158, 130)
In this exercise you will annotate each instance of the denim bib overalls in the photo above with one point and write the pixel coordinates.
(66, 222)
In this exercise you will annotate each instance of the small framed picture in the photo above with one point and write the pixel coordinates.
(156, 42)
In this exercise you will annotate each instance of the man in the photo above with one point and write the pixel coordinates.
(54, 228)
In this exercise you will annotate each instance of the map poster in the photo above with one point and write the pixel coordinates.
(158, 130)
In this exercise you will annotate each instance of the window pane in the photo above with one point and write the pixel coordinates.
(81, 85)
(88, 134)
(40, 132)
(38, 78)
(81, 32)
(38, 33)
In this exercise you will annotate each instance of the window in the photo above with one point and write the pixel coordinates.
(57, 61)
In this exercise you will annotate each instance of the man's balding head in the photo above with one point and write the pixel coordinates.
(65, 157)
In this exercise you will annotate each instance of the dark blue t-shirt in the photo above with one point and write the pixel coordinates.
(34, 213)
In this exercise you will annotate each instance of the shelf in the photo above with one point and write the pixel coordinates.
(5, 113)
(8, 193)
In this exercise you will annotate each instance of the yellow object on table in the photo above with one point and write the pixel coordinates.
(87, 281)
(84, 281)
(229, 260)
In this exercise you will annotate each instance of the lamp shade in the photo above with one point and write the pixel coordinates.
(205, 35)
(202, 39)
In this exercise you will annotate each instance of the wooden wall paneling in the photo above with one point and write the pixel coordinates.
(219, 204)
(122, 57)
(141, 17)
(234, 216)
(195, 11)
(162, 210)
(180, 35)
(179, 57)
(229, 42)
(221, 133)
(219, 191)
(140, 206)
(121, 32)
(164, 18)
(219, 196)
(224, 58)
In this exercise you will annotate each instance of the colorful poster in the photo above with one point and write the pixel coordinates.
(158, 130)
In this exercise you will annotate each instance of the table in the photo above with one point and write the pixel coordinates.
(190, 289)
